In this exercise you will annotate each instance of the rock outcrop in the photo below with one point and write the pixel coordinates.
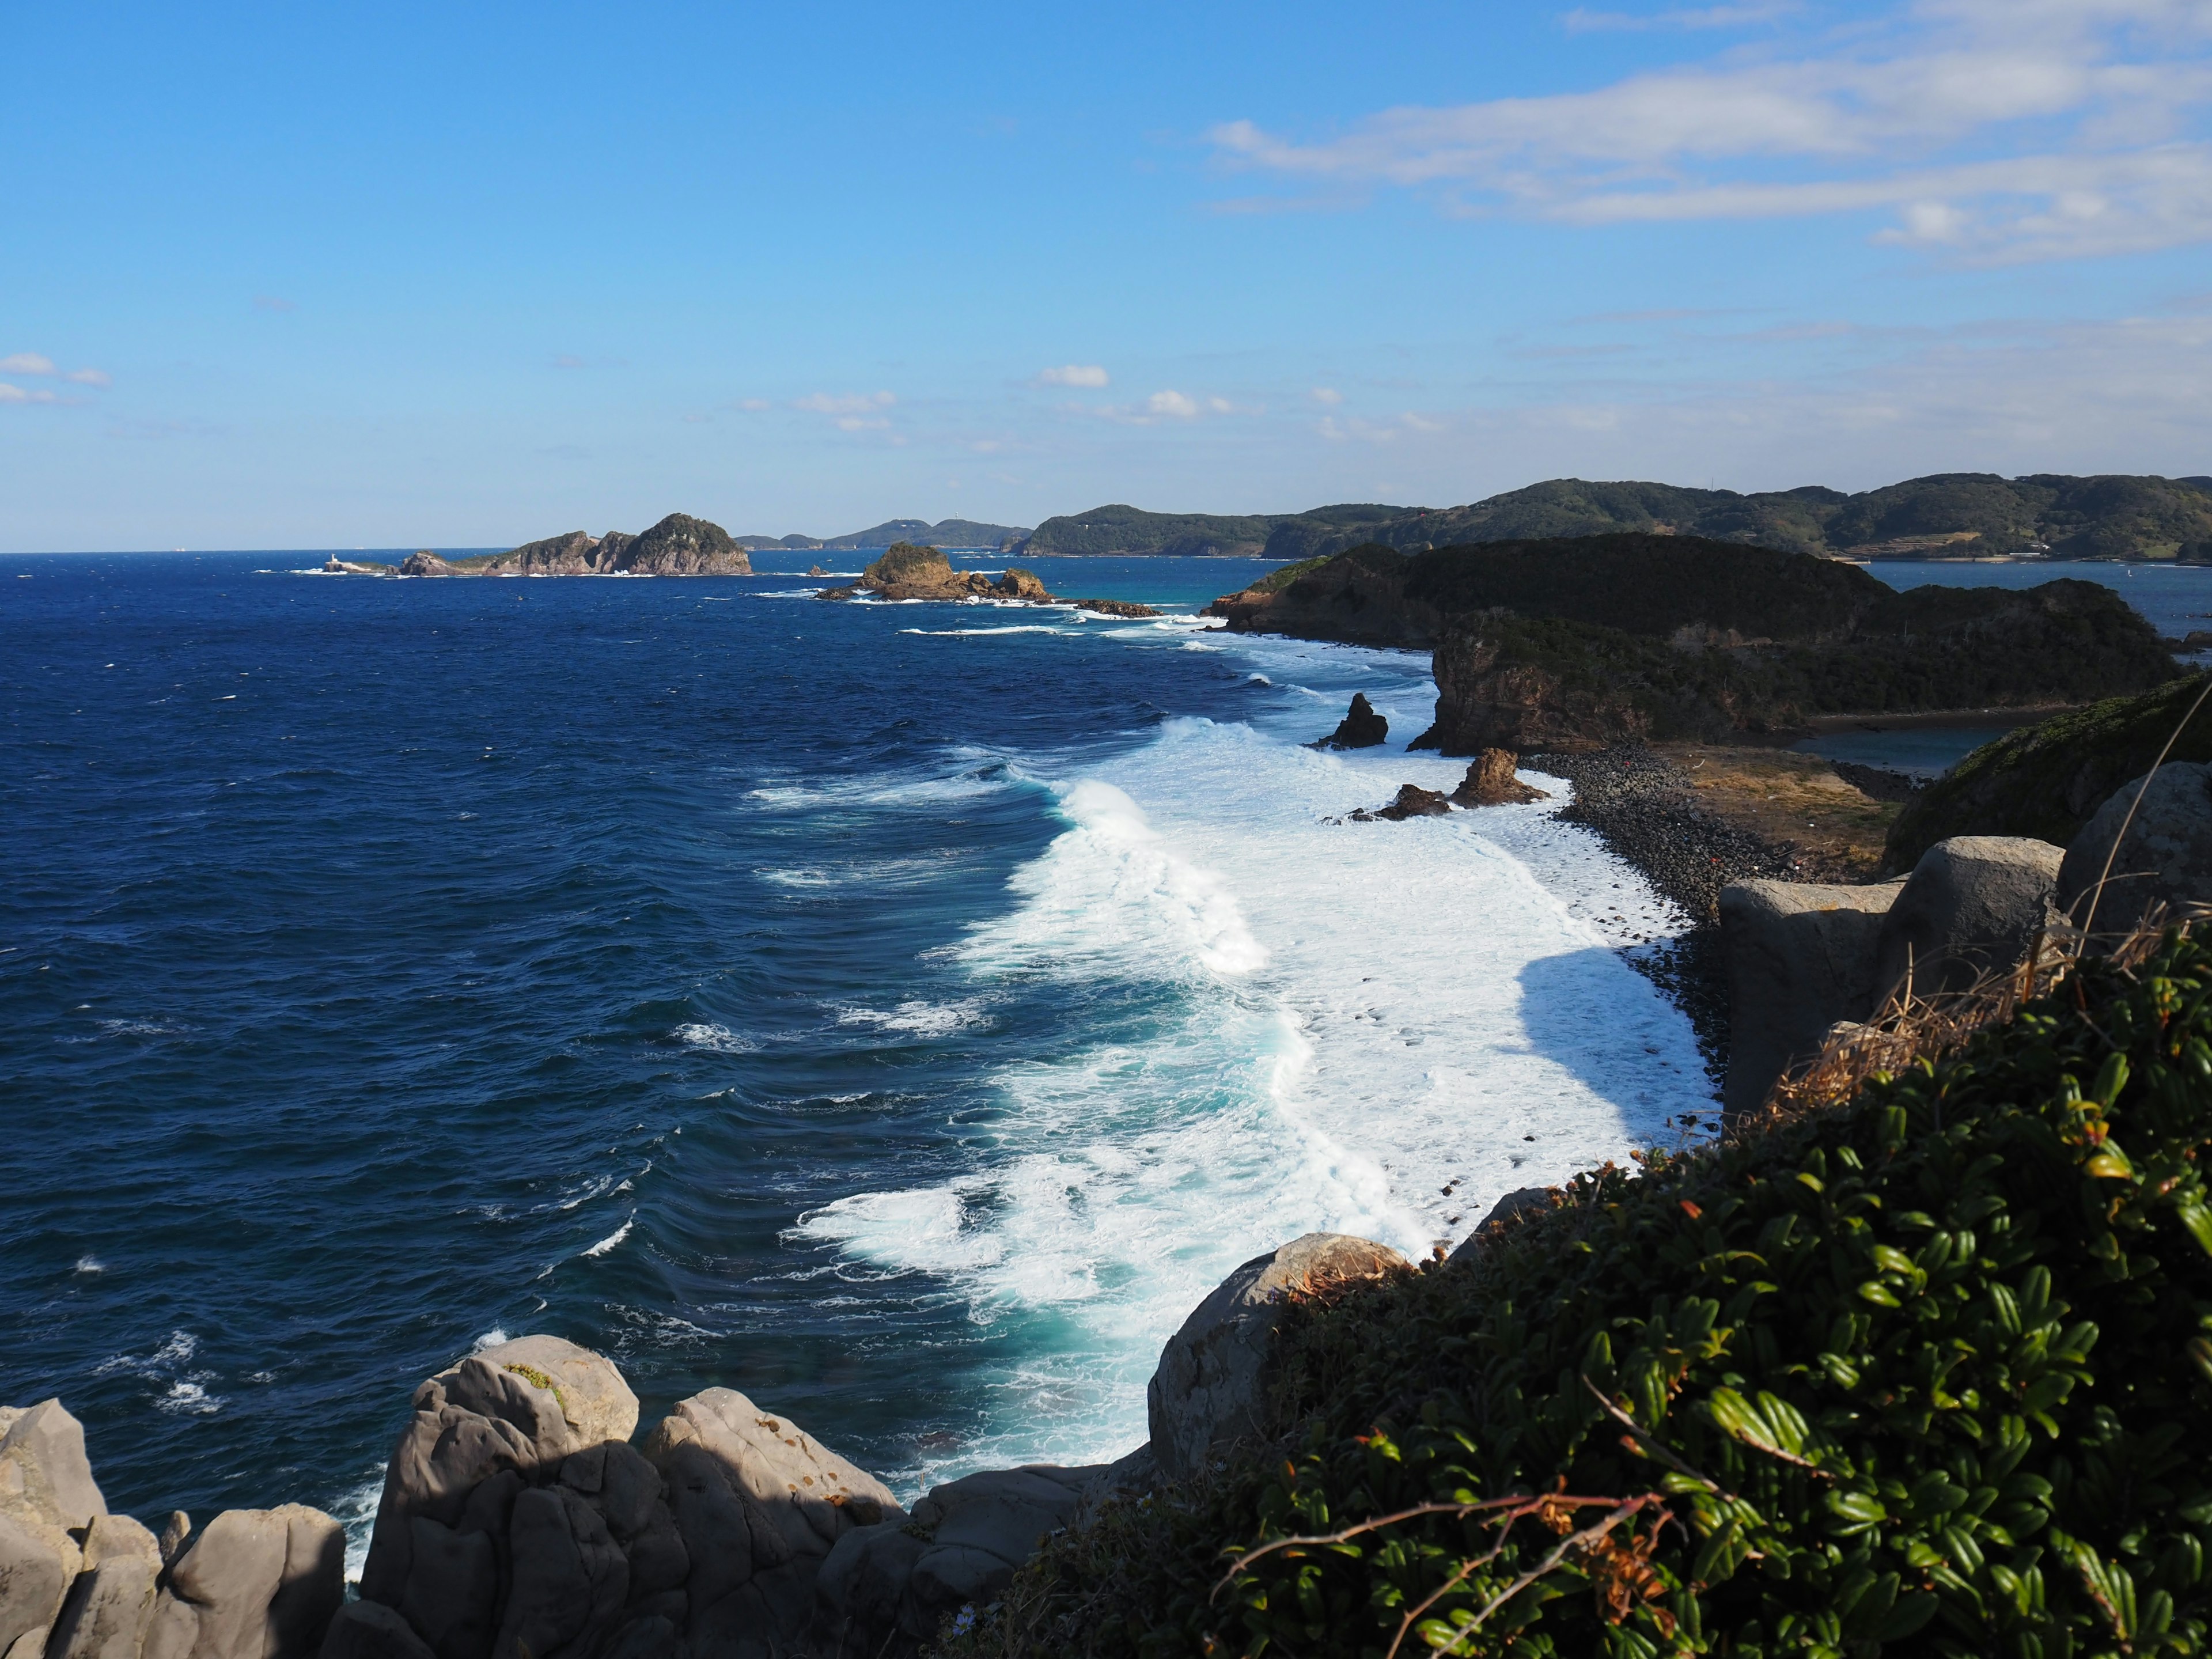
(1128, 609)
(679, 545)
(2167, 858)
(1211, 1388)
(79, 1582)
(1491, 782)
(908, 572)
(1413, 802)
(1974, 906)
(1801, 957)
(1360, 728)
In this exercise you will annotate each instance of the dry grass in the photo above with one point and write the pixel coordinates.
(1911, 1030)
(1834, 832)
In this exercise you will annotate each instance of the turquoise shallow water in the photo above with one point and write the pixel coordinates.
(904, 1013)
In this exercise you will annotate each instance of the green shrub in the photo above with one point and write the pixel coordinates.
(1930, 1372)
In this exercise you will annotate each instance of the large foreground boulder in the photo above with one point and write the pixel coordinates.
(1974, 906)
(1801, 956)
(48, 1503)
(252, 1585)
(2167, 858)
(1210, 1387)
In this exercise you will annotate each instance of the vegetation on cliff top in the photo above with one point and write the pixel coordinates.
(2045, 780)
(1944, 515)
(1121, 529)
(902, 561)
(1928, 1371)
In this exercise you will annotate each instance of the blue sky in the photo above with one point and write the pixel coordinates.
(338, 275)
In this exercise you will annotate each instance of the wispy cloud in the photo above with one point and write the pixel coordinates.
(89, 377)
(37, 363)
(849, 404)
(1328, 394)
(1172, 404)
(1090, 375)
(2034, 129)
(1582, 20)
(26, 363)
(16, 394)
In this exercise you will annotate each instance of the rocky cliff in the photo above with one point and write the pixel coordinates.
(1583, 642)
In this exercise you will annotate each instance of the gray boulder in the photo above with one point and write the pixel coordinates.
(369, 1630)
(1800, 956)
(1211, 1386)
(594, 1399)
(1521, 1200)
(37, 1565)
(1972, 905)
(2166, 859)
(111, 1606)
(257, 1584)
(47, 1501)
(570, 1578)
(44, 1449)
(759, 1504)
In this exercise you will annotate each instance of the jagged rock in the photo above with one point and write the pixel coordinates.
(36, 1564)
(816, 570)
(1413, 802)
(111, 1606)
(681, 545)
(1973, 905)
(369, 1630)
(1210, 1386)
(1124, 608)
(2167, 858)
(177, 1528)
(424, 563)
(1360, 728)
(1016, 584)
(884, 1589)
(42, 1455)
(1520, 1201)
(759, 1504)
(1800, 956)
(260, 1584)
(1491, 782)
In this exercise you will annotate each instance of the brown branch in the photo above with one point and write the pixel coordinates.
(1373, 1523)
(1653, 1446)
(1582, 1539)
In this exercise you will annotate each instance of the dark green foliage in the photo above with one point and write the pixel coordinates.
(1934, 1370)
(2046, 781)
(1120, 529)
(2113, 516)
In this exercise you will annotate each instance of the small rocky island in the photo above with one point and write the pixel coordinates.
(908, 572)
(679, 545)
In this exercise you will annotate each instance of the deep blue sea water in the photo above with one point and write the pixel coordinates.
(904, 1013)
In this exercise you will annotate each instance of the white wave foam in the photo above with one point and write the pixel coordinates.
(716, 1039)
(490, 1339)
(977, 633)
(1368, 1028)
(614, 1237)
(88, 1264)
(919, 1018)
(189, 1399)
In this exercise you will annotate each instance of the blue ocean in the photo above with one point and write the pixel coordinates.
(904, 1013)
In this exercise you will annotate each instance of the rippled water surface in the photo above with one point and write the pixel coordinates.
(904, 1013)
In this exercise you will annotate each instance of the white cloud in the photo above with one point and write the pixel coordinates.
(858, 402)
(1172, 404)
(16, 394)
(2030, 129)
(1072, 374)
(89, 377)
(26, 362)
(1328, 394)
(860, 423)
(755, 404)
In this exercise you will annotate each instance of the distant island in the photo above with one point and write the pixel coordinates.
(963, 533)
(1944, 515)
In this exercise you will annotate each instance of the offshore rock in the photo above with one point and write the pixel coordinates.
(1128, 609)
(1021, 585)
(1211, 1388)
(908, 572)
(1360, 728)
(2167, 858)
(1413, 802)
(425, 563)
(1491, 782)
(1800, 956)
(1972, 905)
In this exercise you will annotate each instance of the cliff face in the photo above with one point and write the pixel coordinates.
(1581, 642)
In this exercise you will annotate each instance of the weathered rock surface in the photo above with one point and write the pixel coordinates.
(1973, 905)
(1413, 802)
(591, 1393)
(425, 563)
(1125, 608)
(369, 1630)
(1360, 728)
(679, 545)
(111, 1606)
(42, 1458)
(48, 1499)
(252, 1585)
(1211, 1386)
(760, 1504)
(1491, 782)
(2167, 858)
(1800, 956)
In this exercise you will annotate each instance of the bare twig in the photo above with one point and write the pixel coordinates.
(1654, 1446)
(1577, 1540)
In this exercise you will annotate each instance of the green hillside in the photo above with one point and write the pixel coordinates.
(1118, 529)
